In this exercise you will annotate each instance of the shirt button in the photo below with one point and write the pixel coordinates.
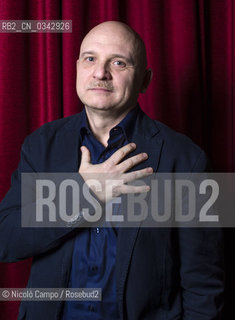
(94, 268)
(91, 308)
(97, 230)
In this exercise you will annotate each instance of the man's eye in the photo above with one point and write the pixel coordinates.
(119, 63)
(90, 59)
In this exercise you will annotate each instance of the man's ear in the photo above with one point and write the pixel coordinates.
(147, 79)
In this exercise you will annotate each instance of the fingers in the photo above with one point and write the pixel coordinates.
(131, 162)
(86, 156)
(125, 189)
(120, 154)
(131, 176)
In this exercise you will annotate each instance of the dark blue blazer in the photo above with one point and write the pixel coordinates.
(164, 273)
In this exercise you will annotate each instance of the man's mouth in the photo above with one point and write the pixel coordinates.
(100, 89)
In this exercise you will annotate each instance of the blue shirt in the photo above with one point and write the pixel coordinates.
(94, 255)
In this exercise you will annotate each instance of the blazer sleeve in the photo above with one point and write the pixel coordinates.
(17, 242)
(201, 267)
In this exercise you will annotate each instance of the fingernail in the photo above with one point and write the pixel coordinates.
(133, 145)
(145, 156)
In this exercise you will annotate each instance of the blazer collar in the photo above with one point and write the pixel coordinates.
(67, 145)
(147, 139)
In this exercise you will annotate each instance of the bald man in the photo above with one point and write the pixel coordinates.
(143, 273)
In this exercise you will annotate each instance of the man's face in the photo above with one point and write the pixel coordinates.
(109, 76)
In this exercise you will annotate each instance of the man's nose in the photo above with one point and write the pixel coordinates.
(102, 72)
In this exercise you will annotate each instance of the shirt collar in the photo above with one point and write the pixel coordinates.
(126, 125)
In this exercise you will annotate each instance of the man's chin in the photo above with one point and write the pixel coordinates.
(101, 107)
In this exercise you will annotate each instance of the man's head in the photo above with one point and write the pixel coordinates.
(111, 69)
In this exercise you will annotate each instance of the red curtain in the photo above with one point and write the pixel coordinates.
(190, 47)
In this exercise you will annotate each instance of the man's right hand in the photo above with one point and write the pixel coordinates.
(114, 169)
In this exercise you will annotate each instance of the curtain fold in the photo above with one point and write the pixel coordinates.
(190, 48)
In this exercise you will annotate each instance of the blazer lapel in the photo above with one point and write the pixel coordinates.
(66, 157)
(147, 140)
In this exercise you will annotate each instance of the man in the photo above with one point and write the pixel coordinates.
(144, 273)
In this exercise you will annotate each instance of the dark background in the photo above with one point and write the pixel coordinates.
(190, 47)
